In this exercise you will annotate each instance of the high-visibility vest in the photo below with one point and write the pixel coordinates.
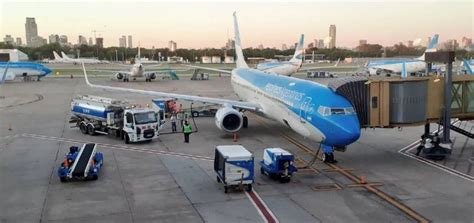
(187, 129)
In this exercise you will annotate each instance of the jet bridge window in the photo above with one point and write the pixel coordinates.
(326, 111)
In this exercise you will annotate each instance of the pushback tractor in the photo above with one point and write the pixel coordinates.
(278, 164)
(81, 163)
(97, 115)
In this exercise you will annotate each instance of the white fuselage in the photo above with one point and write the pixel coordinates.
(411, 67)
(282, 68)
(137, 70)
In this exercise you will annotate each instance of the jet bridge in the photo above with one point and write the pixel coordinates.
(397, 102)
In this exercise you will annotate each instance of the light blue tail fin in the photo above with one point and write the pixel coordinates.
(238, 47)
(298, 56)
(433, 43)
(467, 67)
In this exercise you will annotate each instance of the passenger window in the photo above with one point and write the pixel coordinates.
(129, 118)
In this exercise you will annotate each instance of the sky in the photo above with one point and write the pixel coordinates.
(202, 24)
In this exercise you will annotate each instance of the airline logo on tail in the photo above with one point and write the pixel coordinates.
(467, 67)
(298, 57)
(432, 45)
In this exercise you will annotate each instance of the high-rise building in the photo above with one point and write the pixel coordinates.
(466, 42)
(38, 41)
(31, 30)
(18, 41)
(284, 47)
(90, 41)
(130, 42)
(53, 38)
(63, 40)
(99, 42)
(123, 41)
(82, 40)
(332, 34)
(172, 46)
(328, 41)
(8, 39)
(320, 43)
(362, 42)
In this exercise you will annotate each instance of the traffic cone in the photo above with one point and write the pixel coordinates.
(72, 77)
(362, 180)
(235, 137)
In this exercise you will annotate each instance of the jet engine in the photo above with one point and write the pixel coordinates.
(151, 76)
(119, 76)
(229, 119)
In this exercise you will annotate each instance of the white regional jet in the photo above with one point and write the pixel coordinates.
(308, 108)
(67, 59)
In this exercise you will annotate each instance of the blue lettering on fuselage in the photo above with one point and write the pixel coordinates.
(303, 98)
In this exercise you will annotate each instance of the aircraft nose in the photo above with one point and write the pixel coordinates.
(46, 70)
(344, 131)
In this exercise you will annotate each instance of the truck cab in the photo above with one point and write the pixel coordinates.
(141, 124)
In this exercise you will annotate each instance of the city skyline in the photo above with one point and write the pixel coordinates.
(212, 29)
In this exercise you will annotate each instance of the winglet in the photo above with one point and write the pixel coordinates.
(238, 47)
(85, 75)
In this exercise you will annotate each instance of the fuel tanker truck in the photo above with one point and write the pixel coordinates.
(95, 115)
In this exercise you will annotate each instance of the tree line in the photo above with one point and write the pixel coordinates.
(122, 54)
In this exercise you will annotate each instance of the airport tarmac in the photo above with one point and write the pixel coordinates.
(170, 181)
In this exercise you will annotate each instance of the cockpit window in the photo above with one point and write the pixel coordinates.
(326, 111)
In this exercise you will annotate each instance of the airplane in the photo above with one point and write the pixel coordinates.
(67, 59)
(288, 68)
(467, 66)
(395, 66)
(137, 70)
(310, 109)
(11, 70)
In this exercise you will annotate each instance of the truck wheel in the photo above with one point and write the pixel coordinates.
(90, 129)
(195, 114)
(83, 128)
(95, 177)
(249, 188)
(226, 189)
(63, 179)
(262, 171)
(127, 139)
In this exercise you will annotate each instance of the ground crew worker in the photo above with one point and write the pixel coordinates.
(187, 131)
(173, 122)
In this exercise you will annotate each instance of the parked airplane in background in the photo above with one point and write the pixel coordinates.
(292, 66)
(137, 70)
(67, 59)
(395, 66)
(11, 70)
(468, 66)
(308, 108)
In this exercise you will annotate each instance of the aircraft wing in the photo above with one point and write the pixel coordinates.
(113, 71)
(208, 100)
(211, 69)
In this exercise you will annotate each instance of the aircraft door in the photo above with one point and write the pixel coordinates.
(304, 107)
